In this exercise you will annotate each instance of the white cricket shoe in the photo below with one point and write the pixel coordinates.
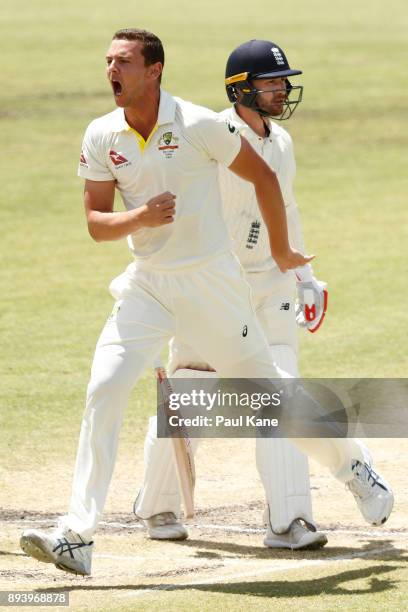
(165, 526)
(372, 493)
(61, 546)
(298, 537)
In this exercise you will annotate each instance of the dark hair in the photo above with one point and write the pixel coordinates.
(152, 46)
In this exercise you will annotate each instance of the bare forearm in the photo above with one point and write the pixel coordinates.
(106, 226)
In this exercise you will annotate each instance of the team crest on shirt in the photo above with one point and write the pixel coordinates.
(168, 144)
(253, 234)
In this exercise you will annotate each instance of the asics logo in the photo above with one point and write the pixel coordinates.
(65, 546)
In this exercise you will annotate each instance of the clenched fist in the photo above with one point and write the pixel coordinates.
(160, 210)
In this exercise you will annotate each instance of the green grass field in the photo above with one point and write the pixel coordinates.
(350, 135)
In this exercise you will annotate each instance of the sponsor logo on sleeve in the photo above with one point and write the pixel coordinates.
(118, 159)
(82, 160)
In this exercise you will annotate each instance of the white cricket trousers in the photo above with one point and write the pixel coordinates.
(282, 466)
(207, 306)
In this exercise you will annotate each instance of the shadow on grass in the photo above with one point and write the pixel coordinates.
(326, 585)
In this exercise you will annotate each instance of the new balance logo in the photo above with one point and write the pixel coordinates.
(285, 306)
(253, 234)
(117, 158)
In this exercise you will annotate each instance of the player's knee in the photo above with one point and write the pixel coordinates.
(108, 387)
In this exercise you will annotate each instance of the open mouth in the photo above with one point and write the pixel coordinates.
(117, 88)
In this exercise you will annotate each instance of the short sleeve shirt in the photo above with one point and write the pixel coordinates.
(181, 155)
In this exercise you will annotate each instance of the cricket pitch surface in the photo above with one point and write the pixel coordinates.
(224, 565)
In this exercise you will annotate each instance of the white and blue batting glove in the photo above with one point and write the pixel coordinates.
(312, 299)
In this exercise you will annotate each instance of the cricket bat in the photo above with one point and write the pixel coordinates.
(183, 453)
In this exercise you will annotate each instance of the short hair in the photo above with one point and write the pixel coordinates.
(152, 50)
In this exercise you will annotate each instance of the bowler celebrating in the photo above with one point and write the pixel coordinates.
(162, 155)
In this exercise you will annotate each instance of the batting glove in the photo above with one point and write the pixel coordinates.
(312, 299)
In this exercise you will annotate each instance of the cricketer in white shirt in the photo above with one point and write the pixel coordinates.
(184, 280)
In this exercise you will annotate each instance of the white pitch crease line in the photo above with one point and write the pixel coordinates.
(377, 533)
(334, 530)
(122, 525)
(230, 528)
(255, 573)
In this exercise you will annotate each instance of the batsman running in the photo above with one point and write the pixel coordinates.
(257, 84)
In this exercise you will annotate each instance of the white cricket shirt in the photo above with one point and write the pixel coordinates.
(181, 155)
(240, 206)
